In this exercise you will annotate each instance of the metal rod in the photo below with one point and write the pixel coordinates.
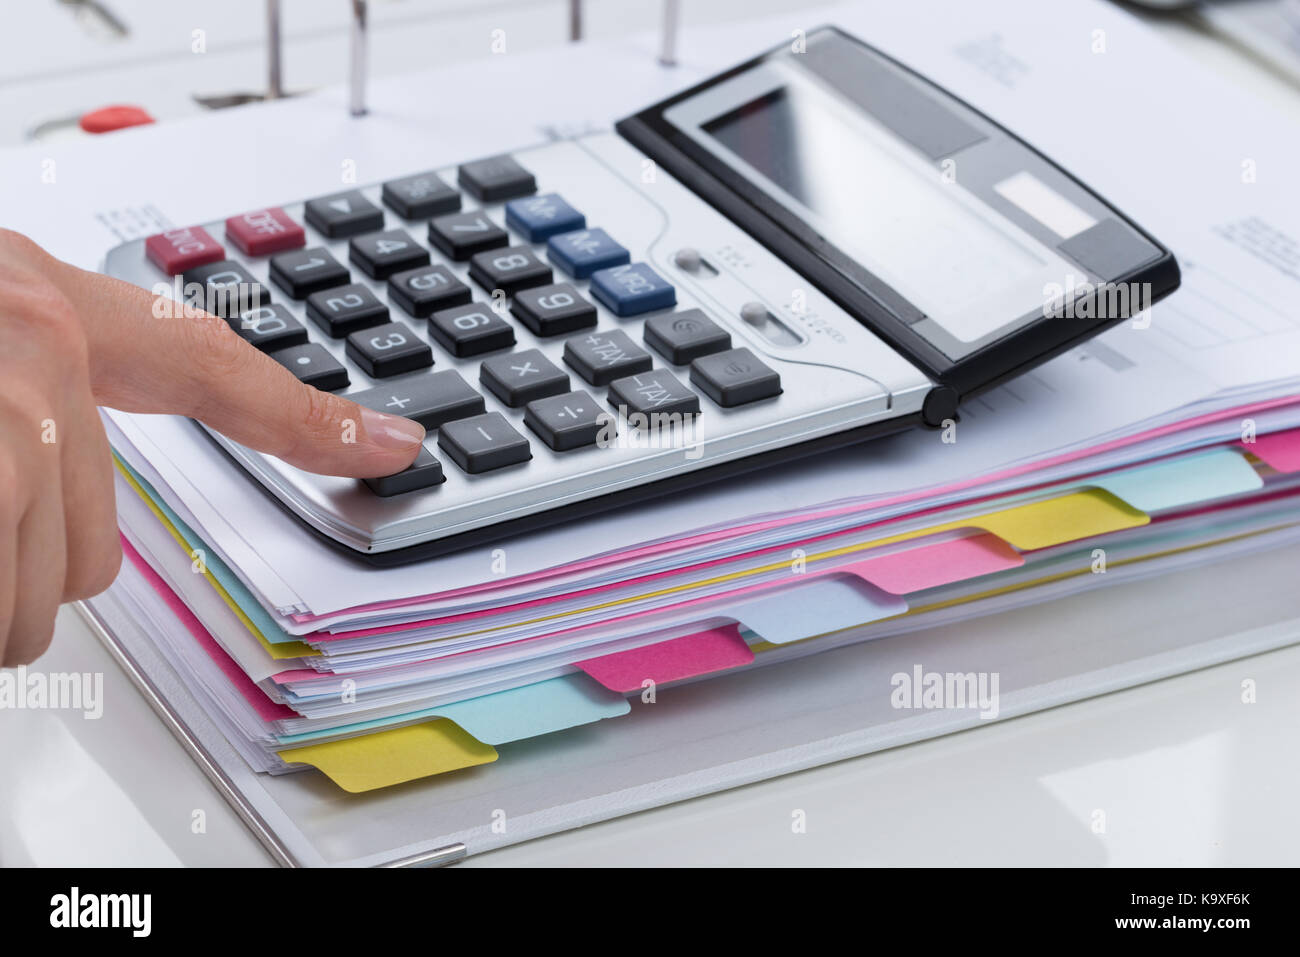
(274, 80)
(668, 47)
(575, 20)
(359, 58)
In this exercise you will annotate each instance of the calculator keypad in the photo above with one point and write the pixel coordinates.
(392, 361)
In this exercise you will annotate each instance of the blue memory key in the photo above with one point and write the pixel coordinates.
(632, 290)
(541, 217)
(583, 252)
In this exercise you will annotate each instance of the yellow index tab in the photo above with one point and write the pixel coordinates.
(385, 758)
(1056, 521)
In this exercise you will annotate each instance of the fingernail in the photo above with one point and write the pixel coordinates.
(391, 431)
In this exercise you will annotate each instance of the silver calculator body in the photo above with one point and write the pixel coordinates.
(835, 374)
(867, 251)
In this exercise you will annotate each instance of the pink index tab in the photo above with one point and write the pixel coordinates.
(1281, 450)
(702, 653)
(177, 250)
(930, 566)
(262, 231)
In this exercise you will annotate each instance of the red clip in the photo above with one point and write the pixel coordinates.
(110, 118)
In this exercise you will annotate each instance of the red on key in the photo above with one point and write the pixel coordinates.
(180, 249)
(263, 231)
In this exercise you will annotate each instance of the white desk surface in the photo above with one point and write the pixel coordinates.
(93, 793)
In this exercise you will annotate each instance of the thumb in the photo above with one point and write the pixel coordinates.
(189, 362)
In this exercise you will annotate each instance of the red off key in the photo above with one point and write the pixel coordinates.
(263, 231)
(177, 250)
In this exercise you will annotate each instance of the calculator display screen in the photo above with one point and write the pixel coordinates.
(897, 218)
(958, 231)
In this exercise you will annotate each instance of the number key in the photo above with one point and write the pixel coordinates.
(381, 254)
(306, 271)
(471, 330)
(509, 269)
(270, 327)
(553, 310)
(390, 349)
(461, 235)
(422, 292)
(345, 309)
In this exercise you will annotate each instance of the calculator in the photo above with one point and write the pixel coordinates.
(814, 248)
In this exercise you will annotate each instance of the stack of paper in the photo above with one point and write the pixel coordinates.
(1157, 446)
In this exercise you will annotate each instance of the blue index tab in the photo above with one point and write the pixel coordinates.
(526, 712)
(1182, 481)
(581, 253)
(632, 290)
(814, 607)
(538, 218)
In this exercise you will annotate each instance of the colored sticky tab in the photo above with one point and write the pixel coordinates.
(1056, 521)
(929, 566)
(277, 642)
(385, 758)
(532, 710)
(1281, 450)
(690, 656)
(823, 604)
(1182, 481)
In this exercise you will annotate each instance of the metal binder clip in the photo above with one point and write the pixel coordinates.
(358, 79)
(668, 40)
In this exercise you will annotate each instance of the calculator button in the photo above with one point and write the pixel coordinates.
(312, 364)
(431, 399)
(228, 288)
(420, 196)
(180, 250)
(553, 310)
(509, 269)
(343, 214)
(461, 235)
(306, 271)
(521, 377)
(263, 231)
(483, 443)
(581, 253)
(424, 472)
(682, 337)
(270, 327)
(497, 178)
(423, 291)
(601, 357)
(390, 349)
(381, 254)
(345, 309)
(734, 377)
(632, 290)
(538, 218)
(471, 330)
(568, 421)
(657, 391)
